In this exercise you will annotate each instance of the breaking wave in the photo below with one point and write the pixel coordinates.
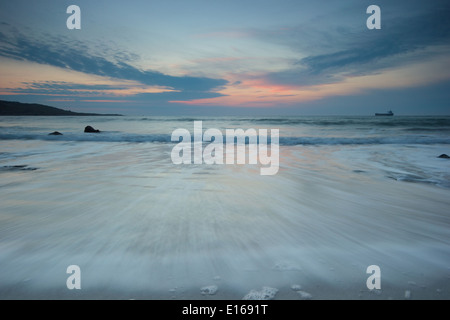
(287, 141)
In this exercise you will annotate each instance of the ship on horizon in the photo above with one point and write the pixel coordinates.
(387, 114)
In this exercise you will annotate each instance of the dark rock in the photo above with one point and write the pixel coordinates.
(56, 133)
(444, 156)
(89, 129)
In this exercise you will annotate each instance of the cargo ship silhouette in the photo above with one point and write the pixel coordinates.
(387, 114)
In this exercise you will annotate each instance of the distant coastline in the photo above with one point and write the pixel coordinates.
(12, 108)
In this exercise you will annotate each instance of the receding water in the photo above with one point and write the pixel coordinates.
(350, 193)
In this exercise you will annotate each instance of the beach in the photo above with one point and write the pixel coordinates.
(350, 192)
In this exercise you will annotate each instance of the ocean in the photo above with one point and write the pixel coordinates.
(350, 192)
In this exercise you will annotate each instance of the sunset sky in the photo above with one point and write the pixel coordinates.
(228, 57)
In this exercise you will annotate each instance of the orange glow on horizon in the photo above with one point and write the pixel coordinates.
(243, 89)
(19, 76)
(261, 92)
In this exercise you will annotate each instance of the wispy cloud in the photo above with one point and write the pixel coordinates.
(67, 89)
(268, 54)
(362, 52)
(59, 52)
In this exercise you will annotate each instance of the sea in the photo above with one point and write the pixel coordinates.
(350, 193)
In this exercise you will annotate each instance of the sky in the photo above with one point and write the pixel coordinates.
(217, 57)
